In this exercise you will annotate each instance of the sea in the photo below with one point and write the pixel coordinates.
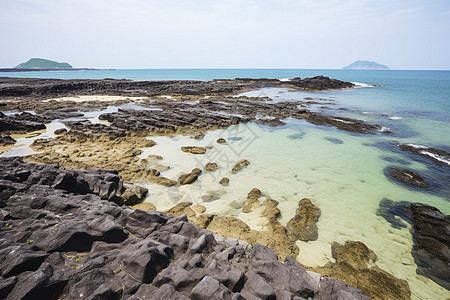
(344, 174)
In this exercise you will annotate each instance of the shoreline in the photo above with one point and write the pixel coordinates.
(117, 128)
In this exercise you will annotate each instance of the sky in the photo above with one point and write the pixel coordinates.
(308, 34)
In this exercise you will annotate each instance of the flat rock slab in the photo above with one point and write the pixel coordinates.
(409, 177)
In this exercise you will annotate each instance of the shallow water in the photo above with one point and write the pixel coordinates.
(343, 173)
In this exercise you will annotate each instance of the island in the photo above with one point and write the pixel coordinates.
(366, 65)
(40, 63)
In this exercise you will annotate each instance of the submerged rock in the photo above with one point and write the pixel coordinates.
(432, 244)
(194, 149)
(408, 176)
(303, 225)
(392, 212)
(355, 265)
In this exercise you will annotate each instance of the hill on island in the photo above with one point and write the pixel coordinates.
(366, 65)
(40, 63)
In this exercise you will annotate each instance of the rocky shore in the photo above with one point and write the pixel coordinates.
(66, 209)
(60, 240)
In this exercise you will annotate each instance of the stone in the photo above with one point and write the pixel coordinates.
(194, 149)
(303, 225)
(239, 165)
(431, 251)
(252, 199)
(409, 177)
(211, 167)
(221, 141)
(189, 178)
(355, 265)
(224, 181)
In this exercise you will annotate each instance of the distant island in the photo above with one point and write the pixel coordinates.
(40, 63)
(366, 65)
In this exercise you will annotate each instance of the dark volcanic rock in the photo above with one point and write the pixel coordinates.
(408, 176)
(6, 140)
(438, 156)
(432, 244)
(20, 123)
(58, 244)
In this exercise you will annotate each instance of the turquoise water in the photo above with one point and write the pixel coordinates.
(341, 172)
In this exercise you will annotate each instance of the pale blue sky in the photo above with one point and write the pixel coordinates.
(411, 34)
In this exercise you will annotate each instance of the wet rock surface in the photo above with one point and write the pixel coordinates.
(408, 176)
(303, 225)
(20, 123)
(355, 264)
(57, 244)
(22, 87)
(431, 251)
(438, 156)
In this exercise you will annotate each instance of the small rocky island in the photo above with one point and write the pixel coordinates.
(366, 65)
(41, 63)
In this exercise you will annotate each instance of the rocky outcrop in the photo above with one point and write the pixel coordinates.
(7, 140)
(432, 244)
(240, 165)
(303, 225)
(104, 183)
(408, 176)
(438, 156)
(355, 264)
(58, 244)
(20, 123)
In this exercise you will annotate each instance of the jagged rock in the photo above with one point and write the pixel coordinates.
(60, 244)
(432, 244)
(211, 167)
(303, 225)
(408, 176)
(221, 141)
(224, 181)
(6, 140)
(355, 266)
(194, 149)
(239, 165)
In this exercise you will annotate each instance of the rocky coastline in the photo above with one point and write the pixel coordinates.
(67, 208)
